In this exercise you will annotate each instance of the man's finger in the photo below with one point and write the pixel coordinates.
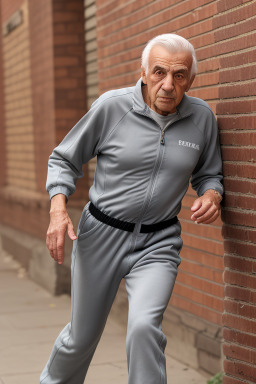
(196, 205)
(201, 211)
(52, 247)
(71, 232)
(207, 215)
(212, 219)
(60, 248)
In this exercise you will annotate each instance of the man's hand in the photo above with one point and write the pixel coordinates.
(59, 223)
(206, 208)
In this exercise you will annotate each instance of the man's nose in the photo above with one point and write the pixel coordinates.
(168, 83)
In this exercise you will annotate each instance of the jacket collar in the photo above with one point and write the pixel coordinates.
(184, 109)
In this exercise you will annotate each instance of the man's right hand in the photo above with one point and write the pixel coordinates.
(60, 222)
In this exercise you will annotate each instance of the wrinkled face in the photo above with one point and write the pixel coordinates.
(167, 79)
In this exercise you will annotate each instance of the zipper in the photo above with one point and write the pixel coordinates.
(151, 184)
(155, 171)
(162, 141)
(149, 192)
(162, 137)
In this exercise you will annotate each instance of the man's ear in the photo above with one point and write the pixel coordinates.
(190, 83)
(143, 75)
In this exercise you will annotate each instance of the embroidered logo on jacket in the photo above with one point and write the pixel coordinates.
(188, 144)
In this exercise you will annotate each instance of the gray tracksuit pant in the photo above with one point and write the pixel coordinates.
(101, 257)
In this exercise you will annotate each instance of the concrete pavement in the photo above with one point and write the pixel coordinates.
(30, 320)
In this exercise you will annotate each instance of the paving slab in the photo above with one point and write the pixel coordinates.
(31, 319)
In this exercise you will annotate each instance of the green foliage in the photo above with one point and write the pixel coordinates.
(217, 379)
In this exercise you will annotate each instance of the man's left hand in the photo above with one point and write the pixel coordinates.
(206, 208)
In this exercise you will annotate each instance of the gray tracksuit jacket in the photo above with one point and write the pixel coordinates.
(142, 171)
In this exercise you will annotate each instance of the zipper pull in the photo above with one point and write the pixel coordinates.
(162, 137)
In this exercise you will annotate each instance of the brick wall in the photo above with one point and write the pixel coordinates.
(235, 36)
(42, 85)
(20, 164)
(44, 93)
(69, 71)
(20, 194)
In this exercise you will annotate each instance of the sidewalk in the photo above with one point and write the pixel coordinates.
(30, 320)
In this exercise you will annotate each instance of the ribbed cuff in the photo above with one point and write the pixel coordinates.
(59, 189)
(210, 185)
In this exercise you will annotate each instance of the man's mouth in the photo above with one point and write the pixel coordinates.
(166, 98)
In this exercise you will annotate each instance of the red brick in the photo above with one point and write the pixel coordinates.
(232, 75)
(73, 5)
(239, 154)
(237, 90)
(240, 309)
(234, 16)
(239, 353)
(239, 279)
(201, 284)
(66, 83)
(238, 138)
(232, 216)
(121, 69)
(238, 59)
(163, 14)
(227, 46)
(238, 337)
(235, 30)
(111, 6)
(239, 233)
(66, 61)
(205, 93)
(238, 263)
(202, 271)
(239, 170)
(242, 370)
(236, 122)
(198, 310)
(239, 293)
(63, 16)
(236, 107)
(225, 5)
(66, 113)
(199, 28)
(231, 380)
(240, 248)
(211, 64)
(67, 39)
(244, 202)
(240, 185)
(215, 247)
(199, 297)
(238, 323)
(206, 259)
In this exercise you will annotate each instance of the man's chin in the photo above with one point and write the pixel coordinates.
(164, 109)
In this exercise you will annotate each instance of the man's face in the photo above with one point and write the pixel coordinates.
(167, 79)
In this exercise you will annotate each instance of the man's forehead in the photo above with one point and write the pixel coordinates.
(160, 55)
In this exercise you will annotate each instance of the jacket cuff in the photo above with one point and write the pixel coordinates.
(211, 185)
(59, 189)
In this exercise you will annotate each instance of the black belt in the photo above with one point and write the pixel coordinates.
(126, 225)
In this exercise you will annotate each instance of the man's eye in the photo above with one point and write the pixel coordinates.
(159, 73)
(179, 76)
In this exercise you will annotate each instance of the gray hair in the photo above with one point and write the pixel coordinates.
(172, 42)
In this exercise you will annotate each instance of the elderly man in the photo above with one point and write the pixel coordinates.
(150, 141)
